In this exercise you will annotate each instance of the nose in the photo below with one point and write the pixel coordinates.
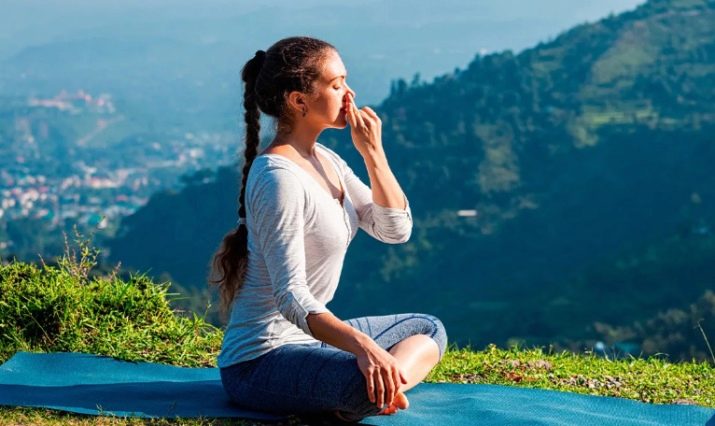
(349, 90)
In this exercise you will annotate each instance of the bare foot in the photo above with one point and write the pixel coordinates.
(400, 402)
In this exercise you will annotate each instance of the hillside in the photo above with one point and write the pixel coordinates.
(577, 154)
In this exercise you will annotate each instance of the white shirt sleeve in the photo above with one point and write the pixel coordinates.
(390, 225)
(278, 213)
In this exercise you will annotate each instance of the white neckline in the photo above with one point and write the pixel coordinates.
(307, 175)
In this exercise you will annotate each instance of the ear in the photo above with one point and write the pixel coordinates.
(296, 101)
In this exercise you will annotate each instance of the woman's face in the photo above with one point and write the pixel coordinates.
(325, 105)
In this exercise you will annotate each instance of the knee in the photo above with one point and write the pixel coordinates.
(438, 333)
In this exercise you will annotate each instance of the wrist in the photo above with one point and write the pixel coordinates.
(360, 343)
(375, 157)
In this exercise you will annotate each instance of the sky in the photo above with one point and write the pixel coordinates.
(379, 40)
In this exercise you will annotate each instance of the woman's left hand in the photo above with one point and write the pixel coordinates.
(365, 127)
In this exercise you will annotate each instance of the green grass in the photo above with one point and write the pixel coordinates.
(652, 380)
(66, 308)
(63, 308)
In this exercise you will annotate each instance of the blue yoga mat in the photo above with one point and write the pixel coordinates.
(93, 384)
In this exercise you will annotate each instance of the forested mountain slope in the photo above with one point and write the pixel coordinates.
(595, 145)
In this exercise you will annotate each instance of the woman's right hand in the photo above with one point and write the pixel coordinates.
(382, 373)
(365, 126)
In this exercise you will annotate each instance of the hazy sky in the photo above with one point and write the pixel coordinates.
(379, 40)
(30, 22)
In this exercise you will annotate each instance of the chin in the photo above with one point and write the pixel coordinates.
(340, 122)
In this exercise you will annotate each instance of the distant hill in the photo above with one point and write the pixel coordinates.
(594, 145)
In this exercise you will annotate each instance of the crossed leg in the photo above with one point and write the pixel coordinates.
(417, 354)
(319, 378)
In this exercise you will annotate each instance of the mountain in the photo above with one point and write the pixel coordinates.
(596, 144)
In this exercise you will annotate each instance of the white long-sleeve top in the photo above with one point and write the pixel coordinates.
(298, 235)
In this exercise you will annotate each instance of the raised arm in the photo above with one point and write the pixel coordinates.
(383, 210)
(278, 203)
(389, 222)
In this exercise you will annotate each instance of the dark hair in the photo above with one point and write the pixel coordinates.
(293, 63)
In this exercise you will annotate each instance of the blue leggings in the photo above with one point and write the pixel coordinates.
(317, 378)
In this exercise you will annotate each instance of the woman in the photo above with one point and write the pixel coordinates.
(299, 208)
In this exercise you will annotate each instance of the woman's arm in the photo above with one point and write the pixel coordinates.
(383, 375)
(381, 219)
(383, 208)
(386, 192)
(366, 133)
(333, 331)
(277, 207)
